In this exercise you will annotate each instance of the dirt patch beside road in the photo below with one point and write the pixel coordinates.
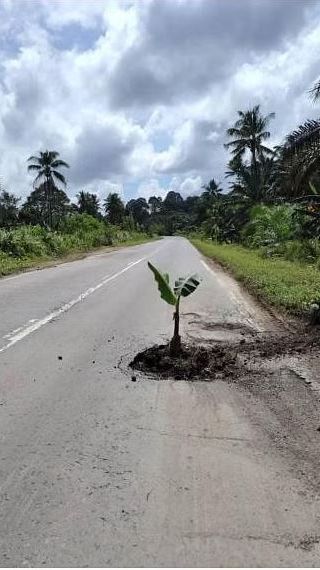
(224, 359)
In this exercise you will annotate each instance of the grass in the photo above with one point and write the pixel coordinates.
(283, 284)
(10, 264)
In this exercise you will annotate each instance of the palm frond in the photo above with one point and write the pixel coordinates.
(306, 134)
(233, 131)
(33, 158)
(34, 167)
(315, 91)
(56, 174)
(38, 178)
(58, 163)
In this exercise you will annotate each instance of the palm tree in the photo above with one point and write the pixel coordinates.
(249, 132)
(47, 166)
(114, 208)
(212, 190)
(88, 204)
(250, 185)
(299, 159)
(206, 201)
(299, 155)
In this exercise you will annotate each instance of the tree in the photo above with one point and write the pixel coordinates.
(48, 165)
(173, 201)
(211, 190)
(36, 209)
(225, 220)
(212, 193)
(9, 212)
(155, 204)
(191, 204)
(252, 185)
(248, 133)
(299, 159)
(88, 204)
(139, 210)
(114, 209)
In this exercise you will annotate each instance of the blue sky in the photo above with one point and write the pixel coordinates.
(137, 95)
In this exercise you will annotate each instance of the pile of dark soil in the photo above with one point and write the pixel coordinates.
(193, 363)
(224, 359)
(272, 345)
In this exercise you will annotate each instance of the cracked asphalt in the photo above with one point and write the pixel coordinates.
(97, 470)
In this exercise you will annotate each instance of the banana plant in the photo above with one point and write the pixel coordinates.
(183, 287)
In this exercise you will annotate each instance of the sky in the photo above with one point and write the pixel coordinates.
(137, 95)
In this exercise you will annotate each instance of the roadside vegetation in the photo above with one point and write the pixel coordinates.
(48, 225)
(266, 228)
(284, 284)
(268, 214)
(28, 246)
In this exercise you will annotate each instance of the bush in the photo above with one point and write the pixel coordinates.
(80, 232)
(304, 251)
(270, 226)
(157, 229)
(23, 241)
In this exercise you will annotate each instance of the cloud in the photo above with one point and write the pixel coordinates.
(138, 95)
(101, 151)
(190, 186)
(185, 186)
(187, 46)
(151, 188)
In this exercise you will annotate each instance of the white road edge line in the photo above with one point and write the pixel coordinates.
(41, 322)
(208, 268)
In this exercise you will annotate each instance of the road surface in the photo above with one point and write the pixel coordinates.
(97, 470)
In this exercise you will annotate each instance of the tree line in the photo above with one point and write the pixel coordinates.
(256, 174)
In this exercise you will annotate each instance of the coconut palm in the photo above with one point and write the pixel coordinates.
(114, 209)
(248, 133)
(212, 190)
(88, 204)
(48, 165)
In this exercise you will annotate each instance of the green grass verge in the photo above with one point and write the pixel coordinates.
(10, 264)
(283, 284)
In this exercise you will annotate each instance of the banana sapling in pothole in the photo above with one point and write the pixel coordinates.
(183, 287)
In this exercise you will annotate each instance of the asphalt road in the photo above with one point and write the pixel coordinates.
(97, 470)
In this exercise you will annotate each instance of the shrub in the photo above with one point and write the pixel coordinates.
(269, 226)
(22, 242)
(304, 251)
(21, 247)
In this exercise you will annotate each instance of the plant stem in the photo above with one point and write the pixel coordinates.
(175, 344)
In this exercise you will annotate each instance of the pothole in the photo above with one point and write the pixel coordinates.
(204, 329)
(223, 360)
(193, 363)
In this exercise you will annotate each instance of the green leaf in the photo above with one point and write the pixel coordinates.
(166, 292)
(313, 188)
(184, 286)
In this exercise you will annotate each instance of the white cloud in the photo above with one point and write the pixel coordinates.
(190, 186)
(134, 94)
(151, 188)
